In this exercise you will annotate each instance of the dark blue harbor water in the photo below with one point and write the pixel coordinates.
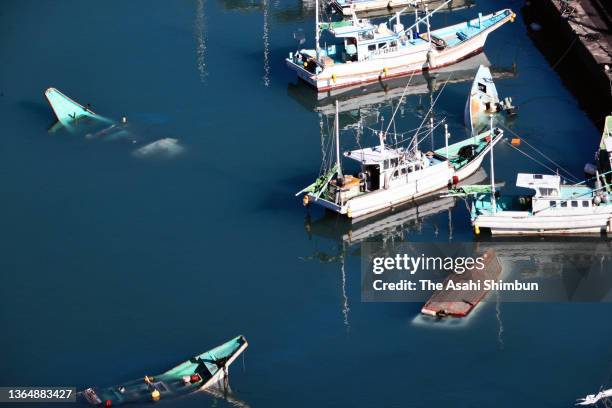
(115, 266)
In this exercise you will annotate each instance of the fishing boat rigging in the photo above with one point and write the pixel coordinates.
(392, 173)
(553, 207)
(362, 51)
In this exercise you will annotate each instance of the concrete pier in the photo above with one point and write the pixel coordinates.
(580, 33)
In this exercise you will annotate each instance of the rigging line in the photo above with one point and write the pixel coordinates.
(434, 102)
(414, 132)
(542, 154)
(429, 133)
(400, 102)
(531, 157)
(565, 53)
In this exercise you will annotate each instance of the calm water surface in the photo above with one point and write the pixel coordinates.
(114, 267)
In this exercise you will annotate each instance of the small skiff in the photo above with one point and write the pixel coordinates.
(195, 374)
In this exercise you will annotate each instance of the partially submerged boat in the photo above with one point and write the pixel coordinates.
(76, 118)
(197, 373)
(461, 302)
(70, 113)
(360, 51)
(392, 175)
(483, 101)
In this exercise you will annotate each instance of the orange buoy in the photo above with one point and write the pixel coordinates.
(305, 200)
(515, 141)
(155, 395)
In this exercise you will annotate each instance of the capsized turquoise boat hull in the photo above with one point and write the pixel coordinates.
(197, 373)
(69, 112)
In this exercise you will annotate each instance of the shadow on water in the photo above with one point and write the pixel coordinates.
(565, 58)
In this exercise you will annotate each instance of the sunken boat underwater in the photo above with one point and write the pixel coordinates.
(359, 51)
(197, 373)
(392, 175)
(553, 208)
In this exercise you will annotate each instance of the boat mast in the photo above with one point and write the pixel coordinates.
(493, 203)
(431, 132)
(337, 126)
(428, 26)
(446, 135)
(317, 30)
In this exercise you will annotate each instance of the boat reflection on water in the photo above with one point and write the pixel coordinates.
(372, 96)
(574, 269)
(223, 391)
(389, 227)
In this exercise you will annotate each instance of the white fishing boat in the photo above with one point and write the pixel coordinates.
(373, 8)
(553, 208)
(392, 175)
(483, 101)
(360, 51)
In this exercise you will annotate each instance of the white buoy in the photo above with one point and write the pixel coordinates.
(123, 120)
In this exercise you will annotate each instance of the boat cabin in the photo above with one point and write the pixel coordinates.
(550, 194)
(383, 167)
(361, 41)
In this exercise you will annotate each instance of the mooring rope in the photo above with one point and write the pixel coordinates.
(567, 172)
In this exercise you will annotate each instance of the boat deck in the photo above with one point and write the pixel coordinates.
(481, 141)
(459, 303)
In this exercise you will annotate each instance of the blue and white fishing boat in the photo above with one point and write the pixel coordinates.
(553, 208)
(360, 51)
(373, 8)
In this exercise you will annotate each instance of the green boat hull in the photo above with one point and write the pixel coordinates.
(208, 368)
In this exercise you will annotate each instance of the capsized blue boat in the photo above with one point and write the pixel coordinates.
(69, 112)
(197, 373)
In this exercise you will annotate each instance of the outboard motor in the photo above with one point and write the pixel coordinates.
(507, 106)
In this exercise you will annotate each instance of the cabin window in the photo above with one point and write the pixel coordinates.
(552, 204)
(394, 162)
(585, 203)
(372, 47)
(538, 176)
(547, 192)
(393, 44)
(368, 35)
(380, 45)
(563, 203)
(404, 170)
(395, 173)
(417, 167)
(574, 203)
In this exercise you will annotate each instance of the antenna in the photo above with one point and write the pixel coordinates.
(337, 126)
(493, 203)
(317, 34)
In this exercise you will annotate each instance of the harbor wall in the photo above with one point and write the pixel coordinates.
(578, 46)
